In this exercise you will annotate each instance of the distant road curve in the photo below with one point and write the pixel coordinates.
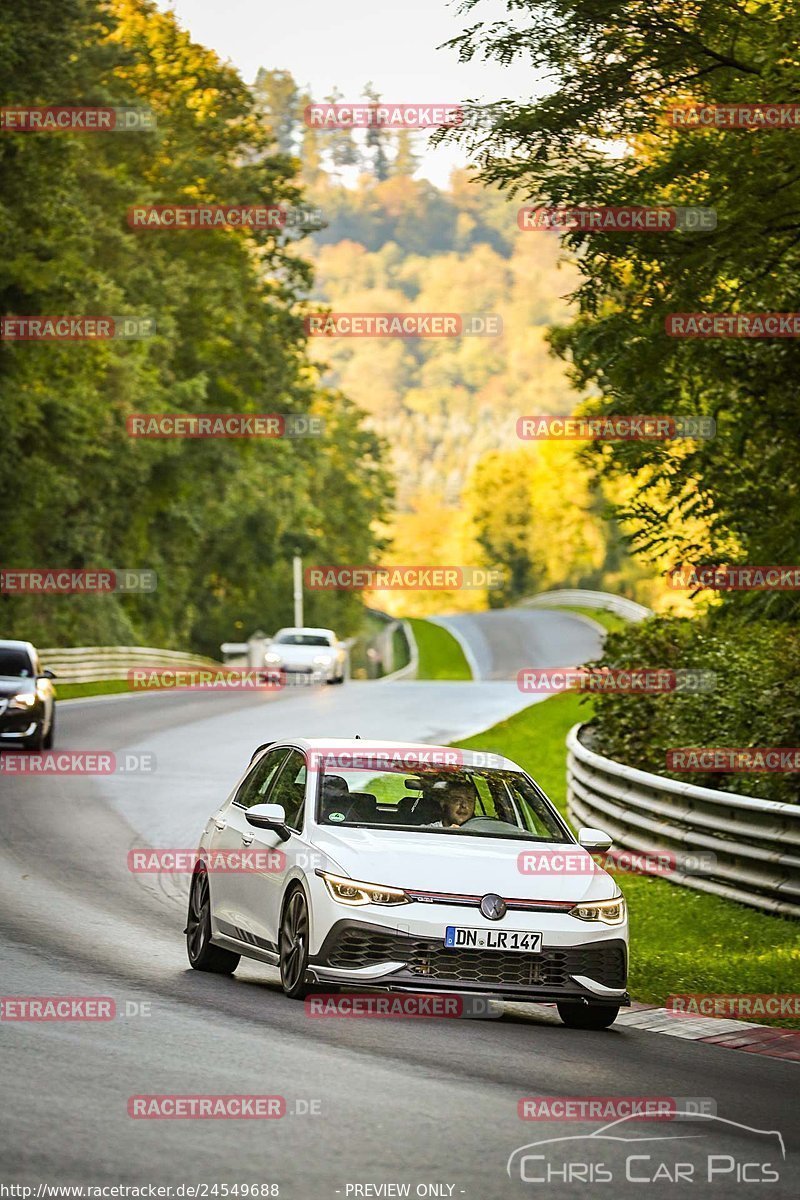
(503, 641)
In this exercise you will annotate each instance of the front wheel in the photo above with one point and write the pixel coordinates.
(47, 743)
(588, 1016)
(202, 955)
(294, 946)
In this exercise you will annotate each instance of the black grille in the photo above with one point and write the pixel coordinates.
(426, 959)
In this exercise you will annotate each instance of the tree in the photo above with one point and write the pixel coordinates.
(375, 139)
(614, 70)
(405, 161)
(340, 145)
(278, 96)
(215, 518)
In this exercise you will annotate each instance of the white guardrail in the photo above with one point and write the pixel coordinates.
(739, 847)
(577, 597)
(92, 664)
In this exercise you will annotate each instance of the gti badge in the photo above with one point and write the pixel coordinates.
(493, 907)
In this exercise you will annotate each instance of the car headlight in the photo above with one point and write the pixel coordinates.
(354, 892)
(272, 659)
(23, 700)
(610, 912)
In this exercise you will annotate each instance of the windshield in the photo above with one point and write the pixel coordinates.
(15, 664)
(302, 639)
(470, 802)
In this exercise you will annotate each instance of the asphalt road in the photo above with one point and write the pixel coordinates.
(370, 1103)
(499, 644)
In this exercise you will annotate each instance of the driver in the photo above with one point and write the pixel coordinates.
(458, 806)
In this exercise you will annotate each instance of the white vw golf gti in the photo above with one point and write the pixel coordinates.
(408, 868)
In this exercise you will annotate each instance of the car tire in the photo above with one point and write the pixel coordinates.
(202, 955)
(293, 945)
(47, 741)
(587, 1016)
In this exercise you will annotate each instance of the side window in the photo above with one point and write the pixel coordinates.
(290, 789)
(254, 786)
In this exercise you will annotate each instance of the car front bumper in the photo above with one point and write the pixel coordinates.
(17, 724)
(584, 966)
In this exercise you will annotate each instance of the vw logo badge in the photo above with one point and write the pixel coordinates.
(493, 907)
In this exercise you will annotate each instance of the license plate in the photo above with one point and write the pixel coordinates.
(458, 938)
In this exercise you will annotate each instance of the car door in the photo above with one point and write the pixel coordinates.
(265, 889)
(231, 835)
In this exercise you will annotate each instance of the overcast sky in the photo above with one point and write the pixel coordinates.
(348, 42)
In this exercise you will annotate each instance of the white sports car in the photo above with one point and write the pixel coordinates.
(312, 654)
(408, 868)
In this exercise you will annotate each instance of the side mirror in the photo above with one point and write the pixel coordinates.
(594, 839)
(48, 675)
(268, 816)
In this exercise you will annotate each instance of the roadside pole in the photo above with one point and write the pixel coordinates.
(297, 564)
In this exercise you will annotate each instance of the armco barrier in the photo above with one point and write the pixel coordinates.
(579, 598)
(92, 664)
(749, 848)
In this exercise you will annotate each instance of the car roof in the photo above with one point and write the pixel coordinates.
(305, 629)
(471, 758)
(9, 644)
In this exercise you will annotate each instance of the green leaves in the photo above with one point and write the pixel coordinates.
(212, 517)
(599, 137)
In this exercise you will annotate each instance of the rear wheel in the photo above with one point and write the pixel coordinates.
(588, 1016)
(202, 955)
(294, 946)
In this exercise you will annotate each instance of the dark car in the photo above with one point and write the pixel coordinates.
(27, 698)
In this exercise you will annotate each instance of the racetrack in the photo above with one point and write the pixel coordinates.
(400, 1101)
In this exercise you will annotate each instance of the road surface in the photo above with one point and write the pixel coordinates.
(370, 1103)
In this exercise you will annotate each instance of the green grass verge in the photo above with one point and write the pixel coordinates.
(440, 656)
(103, 687)
(681, 940)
